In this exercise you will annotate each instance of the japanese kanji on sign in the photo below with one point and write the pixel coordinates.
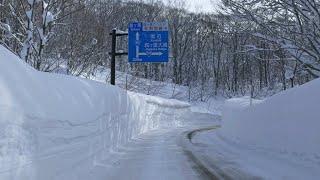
(148, 42)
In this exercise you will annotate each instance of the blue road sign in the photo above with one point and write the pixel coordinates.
(148, 42)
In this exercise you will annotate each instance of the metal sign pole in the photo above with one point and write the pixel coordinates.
(113, 57)
(114, 53)
(147, 42)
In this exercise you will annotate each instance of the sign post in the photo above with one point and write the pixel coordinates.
(114, 53)
(113, 57)
(148, 42)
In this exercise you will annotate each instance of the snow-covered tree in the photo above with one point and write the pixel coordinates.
(293, 25)
(34, 24)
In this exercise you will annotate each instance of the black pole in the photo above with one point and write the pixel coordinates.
(113, 57)
(114, 53)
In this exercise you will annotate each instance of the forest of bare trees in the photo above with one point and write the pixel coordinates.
(249, 47)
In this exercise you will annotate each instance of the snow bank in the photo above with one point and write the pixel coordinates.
(60, 127)
(288, 122)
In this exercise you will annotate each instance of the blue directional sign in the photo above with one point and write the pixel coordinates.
(148, 42)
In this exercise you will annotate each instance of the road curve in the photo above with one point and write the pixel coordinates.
(216, 164)
(157, 155)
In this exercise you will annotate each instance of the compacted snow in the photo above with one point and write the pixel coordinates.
(158, 155)
(277, 138)
(60, 127)
(57, 127)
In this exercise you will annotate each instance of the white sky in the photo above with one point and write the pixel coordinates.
(202, 5)
(198, 6)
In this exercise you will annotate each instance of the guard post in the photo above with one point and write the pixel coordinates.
(114, 34)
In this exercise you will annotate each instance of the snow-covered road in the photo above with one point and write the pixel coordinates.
(157, 155)
(230, 160)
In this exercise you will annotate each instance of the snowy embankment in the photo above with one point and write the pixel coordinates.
(277, 138)
(166, 90)
(288, 121)
(60, 127)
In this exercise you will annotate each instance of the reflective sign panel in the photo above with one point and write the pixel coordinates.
(148, 42)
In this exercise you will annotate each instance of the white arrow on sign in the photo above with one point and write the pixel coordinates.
(137, 44)
(151, 54)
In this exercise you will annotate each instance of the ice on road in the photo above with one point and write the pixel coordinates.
(156, 155)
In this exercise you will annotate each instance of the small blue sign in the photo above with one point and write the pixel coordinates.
(148, 42)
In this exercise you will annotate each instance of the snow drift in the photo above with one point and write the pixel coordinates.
(288, 122)
(59, 127)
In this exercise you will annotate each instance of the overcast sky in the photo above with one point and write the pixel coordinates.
(202, 5)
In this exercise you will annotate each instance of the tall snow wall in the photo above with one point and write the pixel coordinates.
(286, 123)
(60, 127)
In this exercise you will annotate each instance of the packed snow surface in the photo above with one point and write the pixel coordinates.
(61, 127)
